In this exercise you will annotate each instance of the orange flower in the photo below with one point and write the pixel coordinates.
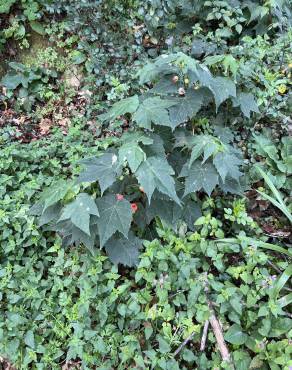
(119, 196)
(134, 207)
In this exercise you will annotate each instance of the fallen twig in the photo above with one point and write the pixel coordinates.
(219, 336)
(184, 343)
(204, 336)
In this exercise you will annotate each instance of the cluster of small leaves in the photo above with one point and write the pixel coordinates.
(66, 307)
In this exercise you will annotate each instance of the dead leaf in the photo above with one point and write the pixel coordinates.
(45, 126)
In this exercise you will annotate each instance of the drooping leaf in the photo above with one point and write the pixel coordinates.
(156, 173)
(51, 213)
(103, 169)
(191, 212)
(199, 176)
(153, 110)
(37, 27)
(79, 211)
(73, 235)
(128, 105)
(227, 164)
(167, 210)
(124, 251)
(115, 215)
(247, 103)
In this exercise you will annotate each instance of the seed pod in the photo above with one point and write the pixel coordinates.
(174, 79)
(181, 91)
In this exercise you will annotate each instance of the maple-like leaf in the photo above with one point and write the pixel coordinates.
(131, 151)
(153, 110)
(133, 154)
(187, 106)
(55, 193)
(128, 105)
(124, 250)
(199, 176)
(156, 173)
(51, 213)
(203, 144)
(227, 164)
(221, 87)
(104, 169)
(79, 211)
(247, 103)
(115, 215)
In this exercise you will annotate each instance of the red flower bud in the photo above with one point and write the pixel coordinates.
(134, 207)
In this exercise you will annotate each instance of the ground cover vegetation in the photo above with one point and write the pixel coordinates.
(145, 182)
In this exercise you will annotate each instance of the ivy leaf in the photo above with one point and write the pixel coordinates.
(187, 106)
(227, 164)
(128, 105)
(29, 339)
(156, 173)
(115, 215)
(247, 104)
(235, 335)
(153, 110)
(133, 154)
(199, 176)
(105, 169)
(124, 251)
(79, 211)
